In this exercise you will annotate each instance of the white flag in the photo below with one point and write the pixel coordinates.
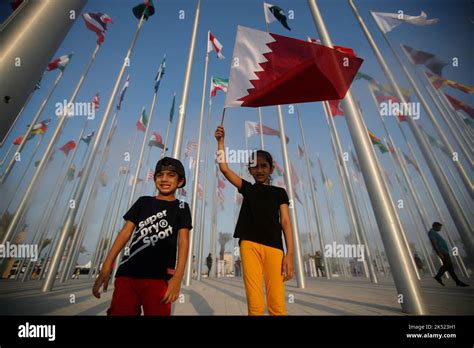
(388, 21)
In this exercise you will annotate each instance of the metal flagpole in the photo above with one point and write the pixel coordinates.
(47, 154)
(349, 193)
(178, 137)
(50, 278)
(6, 154)
(163, 152)
(204, 190)
(313, 194)
(459, 218)
(192, 236)
(454, 133)
(261, 127)
(306, 217)
(299, 268)
(385, 213)
(32, 124)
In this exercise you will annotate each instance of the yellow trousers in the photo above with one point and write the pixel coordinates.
(263, 263)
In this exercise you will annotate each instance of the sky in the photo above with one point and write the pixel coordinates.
(168, 33)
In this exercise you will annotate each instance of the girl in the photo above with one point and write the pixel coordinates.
(263, 215)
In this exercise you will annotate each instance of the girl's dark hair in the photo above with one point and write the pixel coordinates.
(268, 157)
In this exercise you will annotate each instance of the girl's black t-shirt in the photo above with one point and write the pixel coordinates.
(259, 217)
(152, 252)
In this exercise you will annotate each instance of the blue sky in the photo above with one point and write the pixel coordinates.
(166, 33)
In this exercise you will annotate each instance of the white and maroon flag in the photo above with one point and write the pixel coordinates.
(274, 69)
(214, 44)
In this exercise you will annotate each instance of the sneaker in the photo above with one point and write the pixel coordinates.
(439, 281)
(462, 284)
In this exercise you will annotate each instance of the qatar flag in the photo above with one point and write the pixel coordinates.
(270, 69)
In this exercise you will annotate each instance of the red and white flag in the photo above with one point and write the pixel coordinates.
(214, 44)
(275, 69)
(59, 63)
(97, 22)
(96, 101)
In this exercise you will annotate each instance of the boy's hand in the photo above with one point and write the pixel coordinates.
(287, 267)
(172, 293)
(102, 279)
(219, 134)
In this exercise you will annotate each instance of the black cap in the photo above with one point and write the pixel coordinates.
(436, 223)
(172, 164)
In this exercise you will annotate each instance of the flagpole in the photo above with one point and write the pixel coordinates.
(178, 138)
(313, 196)
(440, 178)
(449, 112)
(413, 193)
(390, 228)
(457, 164)
(204, 190)
(261, 127)
(353, 213)
(30, 128)
(6, 154)
(213, 235)
(306, 216)
(47, 153)
(163, 152)
(299, 268)
(189, 268)
(50, 278)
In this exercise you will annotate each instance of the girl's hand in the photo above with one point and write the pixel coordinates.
(287, 267)
(172, 293)
(219, 134)
(102, 279)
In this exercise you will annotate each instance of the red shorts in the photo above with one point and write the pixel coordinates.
(130, 294)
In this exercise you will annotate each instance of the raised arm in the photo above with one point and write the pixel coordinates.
(288, 268)
(233, 178)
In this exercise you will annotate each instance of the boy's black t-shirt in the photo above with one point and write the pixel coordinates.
(259, 217)
(152, 252)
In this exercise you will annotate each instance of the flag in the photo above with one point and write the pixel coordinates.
(335, 108)
(182, 192)
(377, 142)
(38, 84)
(172, 108)
(220, 197)
(436, 80)
(160, 74)
(276, 70)
(342, 49)
(427, 59)
(190, 146)
(142, 121)
(146, 9)
(59, 63)
(132, 179)
(96, 101)
(192, 163)
(15, 4)
(220, 183)
(214, 44)
(295, 179)
(300, 151)
(355, 176)
(87, 138)
(388, 21)
(362, 76)
(19, 139)
(218, 84)
(278, 170)
(411, 161)
(460, 105)
(252, 128)
(71, 172)
(200, 192)
(435, 142)
(150, 175)
(70, 145)
(156, 140)
(97, 22)
(40, 128)
(388, 89)
(274, 13)
(122, 93)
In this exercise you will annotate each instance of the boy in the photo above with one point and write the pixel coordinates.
(146, 275)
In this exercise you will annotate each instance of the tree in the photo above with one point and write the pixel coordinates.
(224, 238)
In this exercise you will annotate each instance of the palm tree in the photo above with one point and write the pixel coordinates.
(224, 238)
